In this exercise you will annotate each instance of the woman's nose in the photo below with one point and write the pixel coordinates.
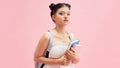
(66, 16)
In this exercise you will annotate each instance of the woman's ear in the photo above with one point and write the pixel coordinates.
(53, 17)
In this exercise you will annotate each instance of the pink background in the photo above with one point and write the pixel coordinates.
(95, 22)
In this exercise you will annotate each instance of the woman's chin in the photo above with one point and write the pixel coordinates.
(66, 22)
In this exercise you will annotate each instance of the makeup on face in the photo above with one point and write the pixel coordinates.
(63, 13)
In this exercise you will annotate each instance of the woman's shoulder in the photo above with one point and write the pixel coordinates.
(45, 36)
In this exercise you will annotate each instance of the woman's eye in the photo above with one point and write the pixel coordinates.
(61, 13)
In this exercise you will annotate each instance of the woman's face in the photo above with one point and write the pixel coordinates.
(62, 16)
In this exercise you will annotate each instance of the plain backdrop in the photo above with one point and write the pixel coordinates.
(95, 22)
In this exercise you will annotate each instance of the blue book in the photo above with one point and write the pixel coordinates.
(73, 43)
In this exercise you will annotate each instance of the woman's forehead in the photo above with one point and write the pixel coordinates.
(65, 9)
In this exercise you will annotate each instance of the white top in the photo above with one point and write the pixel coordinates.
(57, 50)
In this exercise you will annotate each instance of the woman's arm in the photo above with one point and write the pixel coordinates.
(39, 55)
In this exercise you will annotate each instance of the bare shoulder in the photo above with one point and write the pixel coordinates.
(44, 40)
(45, 36)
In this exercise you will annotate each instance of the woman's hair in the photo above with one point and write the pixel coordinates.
(54, 7)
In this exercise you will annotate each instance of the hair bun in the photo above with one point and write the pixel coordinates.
(51, 6)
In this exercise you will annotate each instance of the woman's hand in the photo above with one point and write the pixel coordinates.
(63, 61)
(71, 55)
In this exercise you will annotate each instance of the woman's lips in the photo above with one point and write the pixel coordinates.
(66, 20)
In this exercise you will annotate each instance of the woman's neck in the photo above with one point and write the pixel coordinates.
(61, 30)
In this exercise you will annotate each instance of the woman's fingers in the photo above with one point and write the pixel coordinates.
(69, 52)
(66, 62)
(72, 49)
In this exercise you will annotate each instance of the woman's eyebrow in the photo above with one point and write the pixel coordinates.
(62, 11)
(65, 11)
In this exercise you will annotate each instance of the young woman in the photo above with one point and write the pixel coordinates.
(59, 55)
